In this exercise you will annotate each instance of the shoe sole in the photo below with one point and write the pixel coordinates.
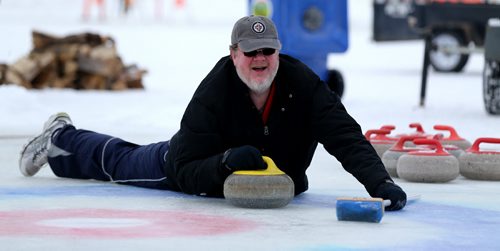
(51, 119)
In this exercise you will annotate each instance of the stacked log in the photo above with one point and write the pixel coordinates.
(81, 61)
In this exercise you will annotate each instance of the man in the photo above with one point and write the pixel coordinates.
(254, 102)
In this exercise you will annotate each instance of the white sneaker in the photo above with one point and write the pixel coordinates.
(35, 154)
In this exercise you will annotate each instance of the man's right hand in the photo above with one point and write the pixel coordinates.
(243, 158)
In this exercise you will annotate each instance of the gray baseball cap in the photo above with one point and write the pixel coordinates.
(255, 32)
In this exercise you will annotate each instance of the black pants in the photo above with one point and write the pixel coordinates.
(102, 157)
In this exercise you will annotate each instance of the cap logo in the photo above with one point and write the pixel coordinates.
(258, 27)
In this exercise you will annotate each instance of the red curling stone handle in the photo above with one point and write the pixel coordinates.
(475, 147)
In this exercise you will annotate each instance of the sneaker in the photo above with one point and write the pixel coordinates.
(35, 154)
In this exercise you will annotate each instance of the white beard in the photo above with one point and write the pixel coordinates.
(258, 87)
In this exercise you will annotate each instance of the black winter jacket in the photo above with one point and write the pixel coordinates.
(221, 115)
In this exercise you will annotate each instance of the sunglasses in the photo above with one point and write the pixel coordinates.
(265, 52)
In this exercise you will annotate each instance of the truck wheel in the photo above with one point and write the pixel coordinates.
(491, 86)
(442, 57)
(335, 82)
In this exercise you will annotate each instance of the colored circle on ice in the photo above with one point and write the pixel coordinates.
(111, 223)
(89, 223)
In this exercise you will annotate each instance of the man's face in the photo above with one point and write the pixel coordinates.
(256, 70)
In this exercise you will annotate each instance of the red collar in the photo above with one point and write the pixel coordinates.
(269, 102)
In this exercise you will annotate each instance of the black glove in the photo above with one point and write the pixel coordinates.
(243, 158)
(390, 191)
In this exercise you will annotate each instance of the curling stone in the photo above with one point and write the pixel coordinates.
(454, 138)
(419, 129)
(379, 140)
(454, 150)
(436, 165)
(391, 156)
(481, 165)
(270, 188)
(388, 127)
(419, 132)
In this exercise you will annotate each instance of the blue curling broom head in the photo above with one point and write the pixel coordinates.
(360, 209)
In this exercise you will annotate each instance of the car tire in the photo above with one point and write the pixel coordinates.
(491, 86)
(443, 61)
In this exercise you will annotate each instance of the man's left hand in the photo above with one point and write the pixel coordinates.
(390, 191)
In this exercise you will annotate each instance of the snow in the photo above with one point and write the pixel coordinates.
(178, 50)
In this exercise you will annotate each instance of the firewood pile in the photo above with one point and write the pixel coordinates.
(81, 61)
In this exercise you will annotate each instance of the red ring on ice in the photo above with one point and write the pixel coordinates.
(110, 223)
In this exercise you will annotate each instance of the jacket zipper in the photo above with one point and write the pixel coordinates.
(266, 130)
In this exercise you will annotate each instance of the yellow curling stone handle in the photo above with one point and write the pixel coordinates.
(272, 169)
